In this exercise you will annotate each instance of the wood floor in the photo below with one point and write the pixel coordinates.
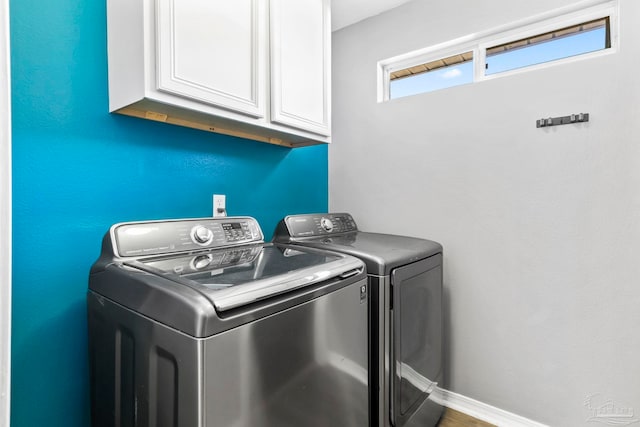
(452, 418)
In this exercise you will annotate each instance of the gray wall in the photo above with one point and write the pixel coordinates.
(541, 227)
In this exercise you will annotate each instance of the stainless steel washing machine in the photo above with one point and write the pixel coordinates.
(405, 285)
(199, 322)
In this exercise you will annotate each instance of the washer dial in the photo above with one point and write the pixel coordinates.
(327, 224)
(201, 235)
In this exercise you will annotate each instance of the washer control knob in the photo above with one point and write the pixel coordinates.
(202, 235)
(327, 224)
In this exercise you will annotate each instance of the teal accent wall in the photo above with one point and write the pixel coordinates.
(78, 169)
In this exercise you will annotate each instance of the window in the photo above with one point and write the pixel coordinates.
(563, 43)
(439, 74)
(543, 41)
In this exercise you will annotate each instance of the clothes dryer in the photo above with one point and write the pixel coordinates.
(405, 312)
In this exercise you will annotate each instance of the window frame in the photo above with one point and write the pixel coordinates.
(522, 29)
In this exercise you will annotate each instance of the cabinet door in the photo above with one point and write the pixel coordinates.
(301, 64)
(213, 51)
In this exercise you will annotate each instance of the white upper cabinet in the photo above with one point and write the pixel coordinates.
(214, 52)
(300, 58)
(257, 69)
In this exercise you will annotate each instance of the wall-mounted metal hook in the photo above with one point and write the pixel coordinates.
(565, 120)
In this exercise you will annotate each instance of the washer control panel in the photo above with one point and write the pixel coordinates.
(136, 239)
(319, 224)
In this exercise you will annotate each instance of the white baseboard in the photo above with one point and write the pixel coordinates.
(480, 410)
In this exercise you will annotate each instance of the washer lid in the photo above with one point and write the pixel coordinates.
(238, 276)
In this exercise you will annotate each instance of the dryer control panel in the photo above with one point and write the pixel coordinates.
(314, 225)
(135, 239)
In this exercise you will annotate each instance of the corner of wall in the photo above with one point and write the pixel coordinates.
(5, 216)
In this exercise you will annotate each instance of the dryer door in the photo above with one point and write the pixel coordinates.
(416, 353)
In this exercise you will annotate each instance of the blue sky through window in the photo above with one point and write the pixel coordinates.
(565, 47)
(453, 75)
(462, 73)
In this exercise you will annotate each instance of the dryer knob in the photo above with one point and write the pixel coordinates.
(202, 235)
(326, 224)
